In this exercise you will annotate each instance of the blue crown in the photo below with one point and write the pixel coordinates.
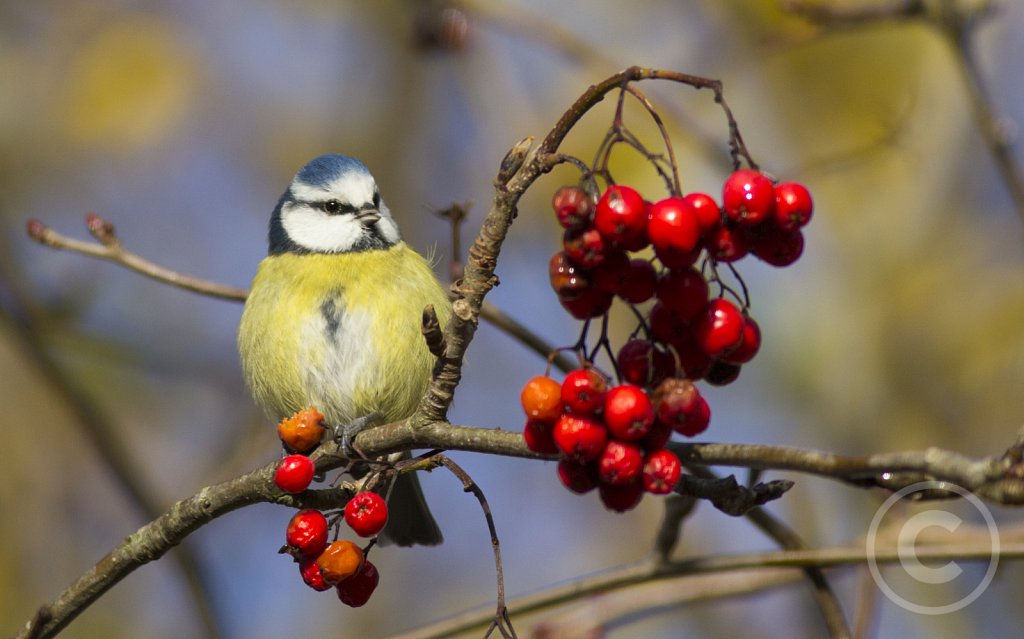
(323, 170)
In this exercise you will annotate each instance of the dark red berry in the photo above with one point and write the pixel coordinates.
(684, 291)
(356, 590)
(661, 472)
(749, 345)
(657, 437)
(720, 328)
(628, 412)
(577, 477)
(539, 437)
(692, 359)
(573, 207)
(779, 248)
(583, 391)
(793, 206)
(366, 513)
(593, 302)
(610, 274)
(748, 197)
(580, 438)
(726, 243)
(585, 246)
(721, 373)
(307, 532)
(639, 282)
(621, 217)
(674, 401)
(643, 363)
(310, 572)
(294, 473)
(568, 279)
(620, 463)
(696, 421)
(621, 498)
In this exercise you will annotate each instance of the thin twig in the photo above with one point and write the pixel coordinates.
(501, 619)
(115, 252)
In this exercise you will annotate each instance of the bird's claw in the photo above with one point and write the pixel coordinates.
(348, 432)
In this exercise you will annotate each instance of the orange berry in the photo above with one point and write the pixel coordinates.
(302, 431)
(339, 561)
(542, 399)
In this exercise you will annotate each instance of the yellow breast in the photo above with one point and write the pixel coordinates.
(340, 332)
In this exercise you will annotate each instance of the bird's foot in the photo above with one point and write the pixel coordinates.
(346, 434)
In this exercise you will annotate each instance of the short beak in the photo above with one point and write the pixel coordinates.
(368, 216)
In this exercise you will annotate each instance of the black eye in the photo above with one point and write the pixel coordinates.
(376, 199)
(331, 206)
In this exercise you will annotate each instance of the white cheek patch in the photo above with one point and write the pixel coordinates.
(318, 231)
(386, 225)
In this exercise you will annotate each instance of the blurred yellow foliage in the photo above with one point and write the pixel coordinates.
(128, 85)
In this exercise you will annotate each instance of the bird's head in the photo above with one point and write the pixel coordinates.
(333, 205)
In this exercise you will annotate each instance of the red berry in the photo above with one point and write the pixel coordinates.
(620, 463)
(657, 437)
(726, 243)
(639, 282)
(579, 478)
(693, 361)
(720, 328)
(294, 473)
(621, 217)
(779, 248)
(568, 279)
(583, 391)
(705, 209)
(673, 227)
(643, 363)
(307, 532)
(366, 513)
(793, 206)
(539, 437)
(661, 472)
(541, 399)
(722, 372)
(628, 412)
(621, 498)
(674, 401)
(593, 302)
(580, 438)
(684, 291)
(674, 259)
(667, 325)
(696, 421)
(749, 345)
(585, 246)
(748, 196)
(310, 572)
(572, 207)
(610, 274)
(356, 590)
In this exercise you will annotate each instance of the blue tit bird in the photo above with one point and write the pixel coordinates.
(333, 318)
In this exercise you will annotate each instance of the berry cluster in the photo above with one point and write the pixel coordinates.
(324, 564)
(611, 438)
(614, 437)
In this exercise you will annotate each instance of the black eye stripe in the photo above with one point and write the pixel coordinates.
(333, 207)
